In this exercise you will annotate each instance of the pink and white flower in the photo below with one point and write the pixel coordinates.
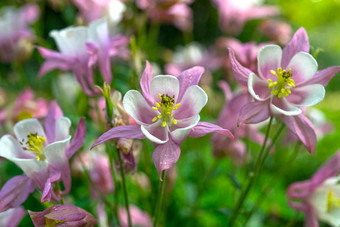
(166, 113)
(233, 14)
(319, 197)
(82, 48)
(287, 80)
(43, 156)
(16, 36)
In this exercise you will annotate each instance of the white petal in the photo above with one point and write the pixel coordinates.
(269, 58)
(22, 128)
(194, 99)
(184, 127)
(135, 105)
(285, 108)
(71, 41)
(55, 152)
(164, 85)
(303, 66)
(11, 149)
(115, 11)
(62, 128)
(261, 87)
(156, 133)
(98, 31)
(308, 95)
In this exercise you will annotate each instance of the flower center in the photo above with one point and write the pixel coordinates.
(333, 202)
(35, 143)
(281, 87)
(166, 106)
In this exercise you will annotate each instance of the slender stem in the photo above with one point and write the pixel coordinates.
(252, 177)
(160, 198)
(113, 174)
(268, 189)
(122, 173)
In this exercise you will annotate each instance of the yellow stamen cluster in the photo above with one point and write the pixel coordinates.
(333, 202)
(35, 143)
(281, 87)
(166, 106)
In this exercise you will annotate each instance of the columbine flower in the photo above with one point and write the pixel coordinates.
(43, 156)
(81, 49)
(169, 11)
(319, 197)
(223, 146)
(167, 112)
(233, 14)
(16, 37)
(287, 80)
(91, 10)
(62, 215)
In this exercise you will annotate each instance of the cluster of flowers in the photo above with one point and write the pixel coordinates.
(273, 82)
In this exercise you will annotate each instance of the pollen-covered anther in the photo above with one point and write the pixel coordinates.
(333, 202)
(35, 143)
(281, 87)
(165, 107)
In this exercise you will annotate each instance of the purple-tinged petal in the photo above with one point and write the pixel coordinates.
(78, 138)
(192, 103)
(311, 219)
(145, 83)
(30, 13)
(137, 107)
(15, 192)
(155, 132)
(48, 189)
(240, 73)
(54, 112)
(164, 85)
(104, 62)
(303, 128)
(282, 106)
(32, 125)
(299, 43)
(183, 128)
(203, 128)
(269, 58)
(165, 155)
(125, 131)
(224, 86)
(303, 67)
(330, 169)
(92, 49)
(324, 76)
(308, 95)
(12, 217)
(258, 88)
(189, 78)
(261, 12)
(254, 112)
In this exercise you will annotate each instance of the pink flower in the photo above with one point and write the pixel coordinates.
(12, 217)
(82, 48)
(42, 155)
(91, 10)
(223, 146)
(319, 197)
(138, 217)
(233, 14)
(62, 215)
(278, 31)
(169, 11)
(167, 112)
(287, 80)
(16, 35)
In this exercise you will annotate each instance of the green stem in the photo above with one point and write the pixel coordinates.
(57, 187)
(113, 173)
(121, 166)
(160, 198)
(252, 177)
(268, 189)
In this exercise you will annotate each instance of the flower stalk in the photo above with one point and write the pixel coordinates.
(159, 203)
(252, 177)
